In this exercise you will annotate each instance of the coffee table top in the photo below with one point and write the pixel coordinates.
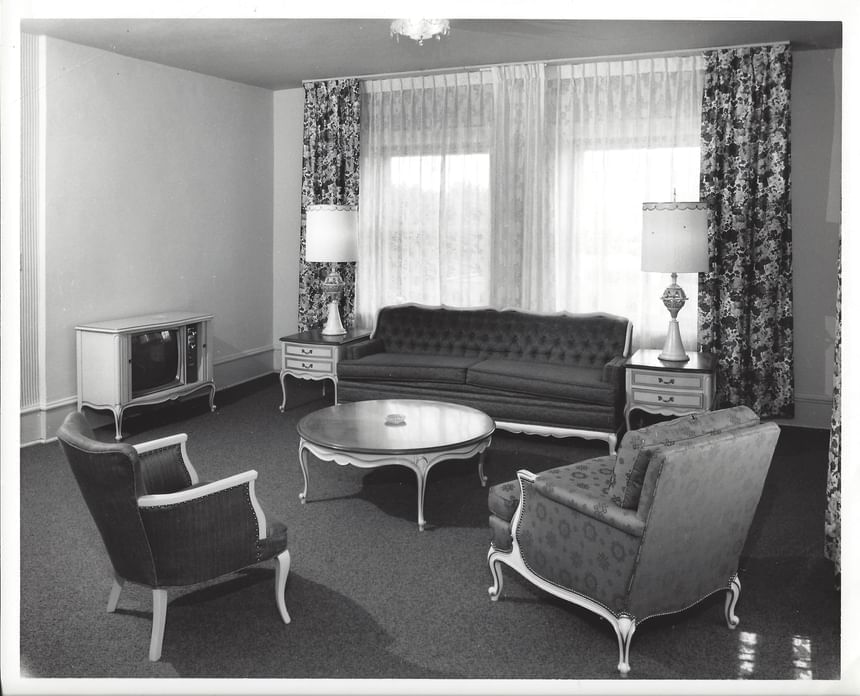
(360, 427)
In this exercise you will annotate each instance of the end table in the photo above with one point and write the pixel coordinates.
(669, 388)
(312, 355)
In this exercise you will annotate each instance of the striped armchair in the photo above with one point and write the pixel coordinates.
(650, 530)
(161, 526)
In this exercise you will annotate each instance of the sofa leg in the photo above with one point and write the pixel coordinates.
(732, 595)
(624, 627)
(496, 570)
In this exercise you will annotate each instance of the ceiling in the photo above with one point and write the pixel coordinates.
(281, 53)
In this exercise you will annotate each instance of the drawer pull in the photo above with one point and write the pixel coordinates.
(307, 366)
(665, 400)
(666, 381)
(307, 351)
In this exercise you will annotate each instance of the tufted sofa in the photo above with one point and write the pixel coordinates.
(651, 530)
(549, 374)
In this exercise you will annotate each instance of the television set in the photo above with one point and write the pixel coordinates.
(143, 360)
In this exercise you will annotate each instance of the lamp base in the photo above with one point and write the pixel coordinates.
(673, 348)
(333, 325)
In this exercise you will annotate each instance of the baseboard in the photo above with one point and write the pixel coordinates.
(810, 411)
(39, 423)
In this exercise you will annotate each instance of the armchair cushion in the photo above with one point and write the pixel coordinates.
(637, 446)
(503, 499)
(274, 542)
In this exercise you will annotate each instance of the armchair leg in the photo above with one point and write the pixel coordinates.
(732, 595)
(496, 570)
(282, 569)
(159, 618)
(624, 627)
(115, 591)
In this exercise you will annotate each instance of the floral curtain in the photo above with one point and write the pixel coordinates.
(745, 300)
(329, 175)
(833, 512)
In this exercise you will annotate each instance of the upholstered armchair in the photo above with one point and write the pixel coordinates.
(650, 530)
(161, 526)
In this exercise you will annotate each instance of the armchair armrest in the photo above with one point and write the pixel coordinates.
(207, 489)
(205, 531)
(359, 350)
(165, 466)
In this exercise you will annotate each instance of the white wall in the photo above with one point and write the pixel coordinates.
(816, 145)
(158, 174)
(159, 196)
(288, 110)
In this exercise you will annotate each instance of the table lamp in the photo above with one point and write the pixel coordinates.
(330, 237)
(674, 240)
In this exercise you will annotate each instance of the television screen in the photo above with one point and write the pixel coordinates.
(154, 361)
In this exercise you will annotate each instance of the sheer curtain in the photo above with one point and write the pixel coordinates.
(623, 132)
(522, 186)
(424, 206)
(522, 250)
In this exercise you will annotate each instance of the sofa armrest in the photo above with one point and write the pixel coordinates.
(359, 350)
(613, 371)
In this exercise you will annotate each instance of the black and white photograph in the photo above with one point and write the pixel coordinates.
(499, 353)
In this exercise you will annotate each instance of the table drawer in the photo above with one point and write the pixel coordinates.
(667, 380)
(309, 365)
(306, 351)
(677, 399)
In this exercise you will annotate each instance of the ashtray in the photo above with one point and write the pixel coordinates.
(395, 419)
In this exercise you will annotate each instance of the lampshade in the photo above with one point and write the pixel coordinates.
(675, 237)
(330, 233)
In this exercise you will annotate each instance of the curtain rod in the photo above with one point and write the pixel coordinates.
(555, 61)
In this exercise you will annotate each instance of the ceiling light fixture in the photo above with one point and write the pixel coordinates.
(420, 29)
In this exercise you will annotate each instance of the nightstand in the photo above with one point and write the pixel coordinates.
(669, 388)
(311, 355)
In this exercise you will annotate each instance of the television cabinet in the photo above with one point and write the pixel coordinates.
(143, 360)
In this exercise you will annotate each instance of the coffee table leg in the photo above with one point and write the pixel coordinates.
(481, 469)
(303, 461)
(421, 475)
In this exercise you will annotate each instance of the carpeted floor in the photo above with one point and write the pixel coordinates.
(372, 597)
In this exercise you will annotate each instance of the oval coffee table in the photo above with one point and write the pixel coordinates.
(367, 434)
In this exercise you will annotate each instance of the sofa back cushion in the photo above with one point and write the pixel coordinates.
(633, 455)
(589, 340)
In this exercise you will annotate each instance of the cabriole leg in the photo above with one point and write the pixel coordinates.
(159, 618)
(732, 595)
(481, 475)
(282, 569)
(496, 571)
(303, 462)
(624, 626)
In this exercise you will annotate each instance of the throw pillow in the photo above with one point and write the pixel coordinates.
(637, 446)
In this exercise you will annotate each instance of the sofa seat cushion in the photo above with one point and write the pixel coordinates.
(543, 379)
(421, 367)
(636, 447)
